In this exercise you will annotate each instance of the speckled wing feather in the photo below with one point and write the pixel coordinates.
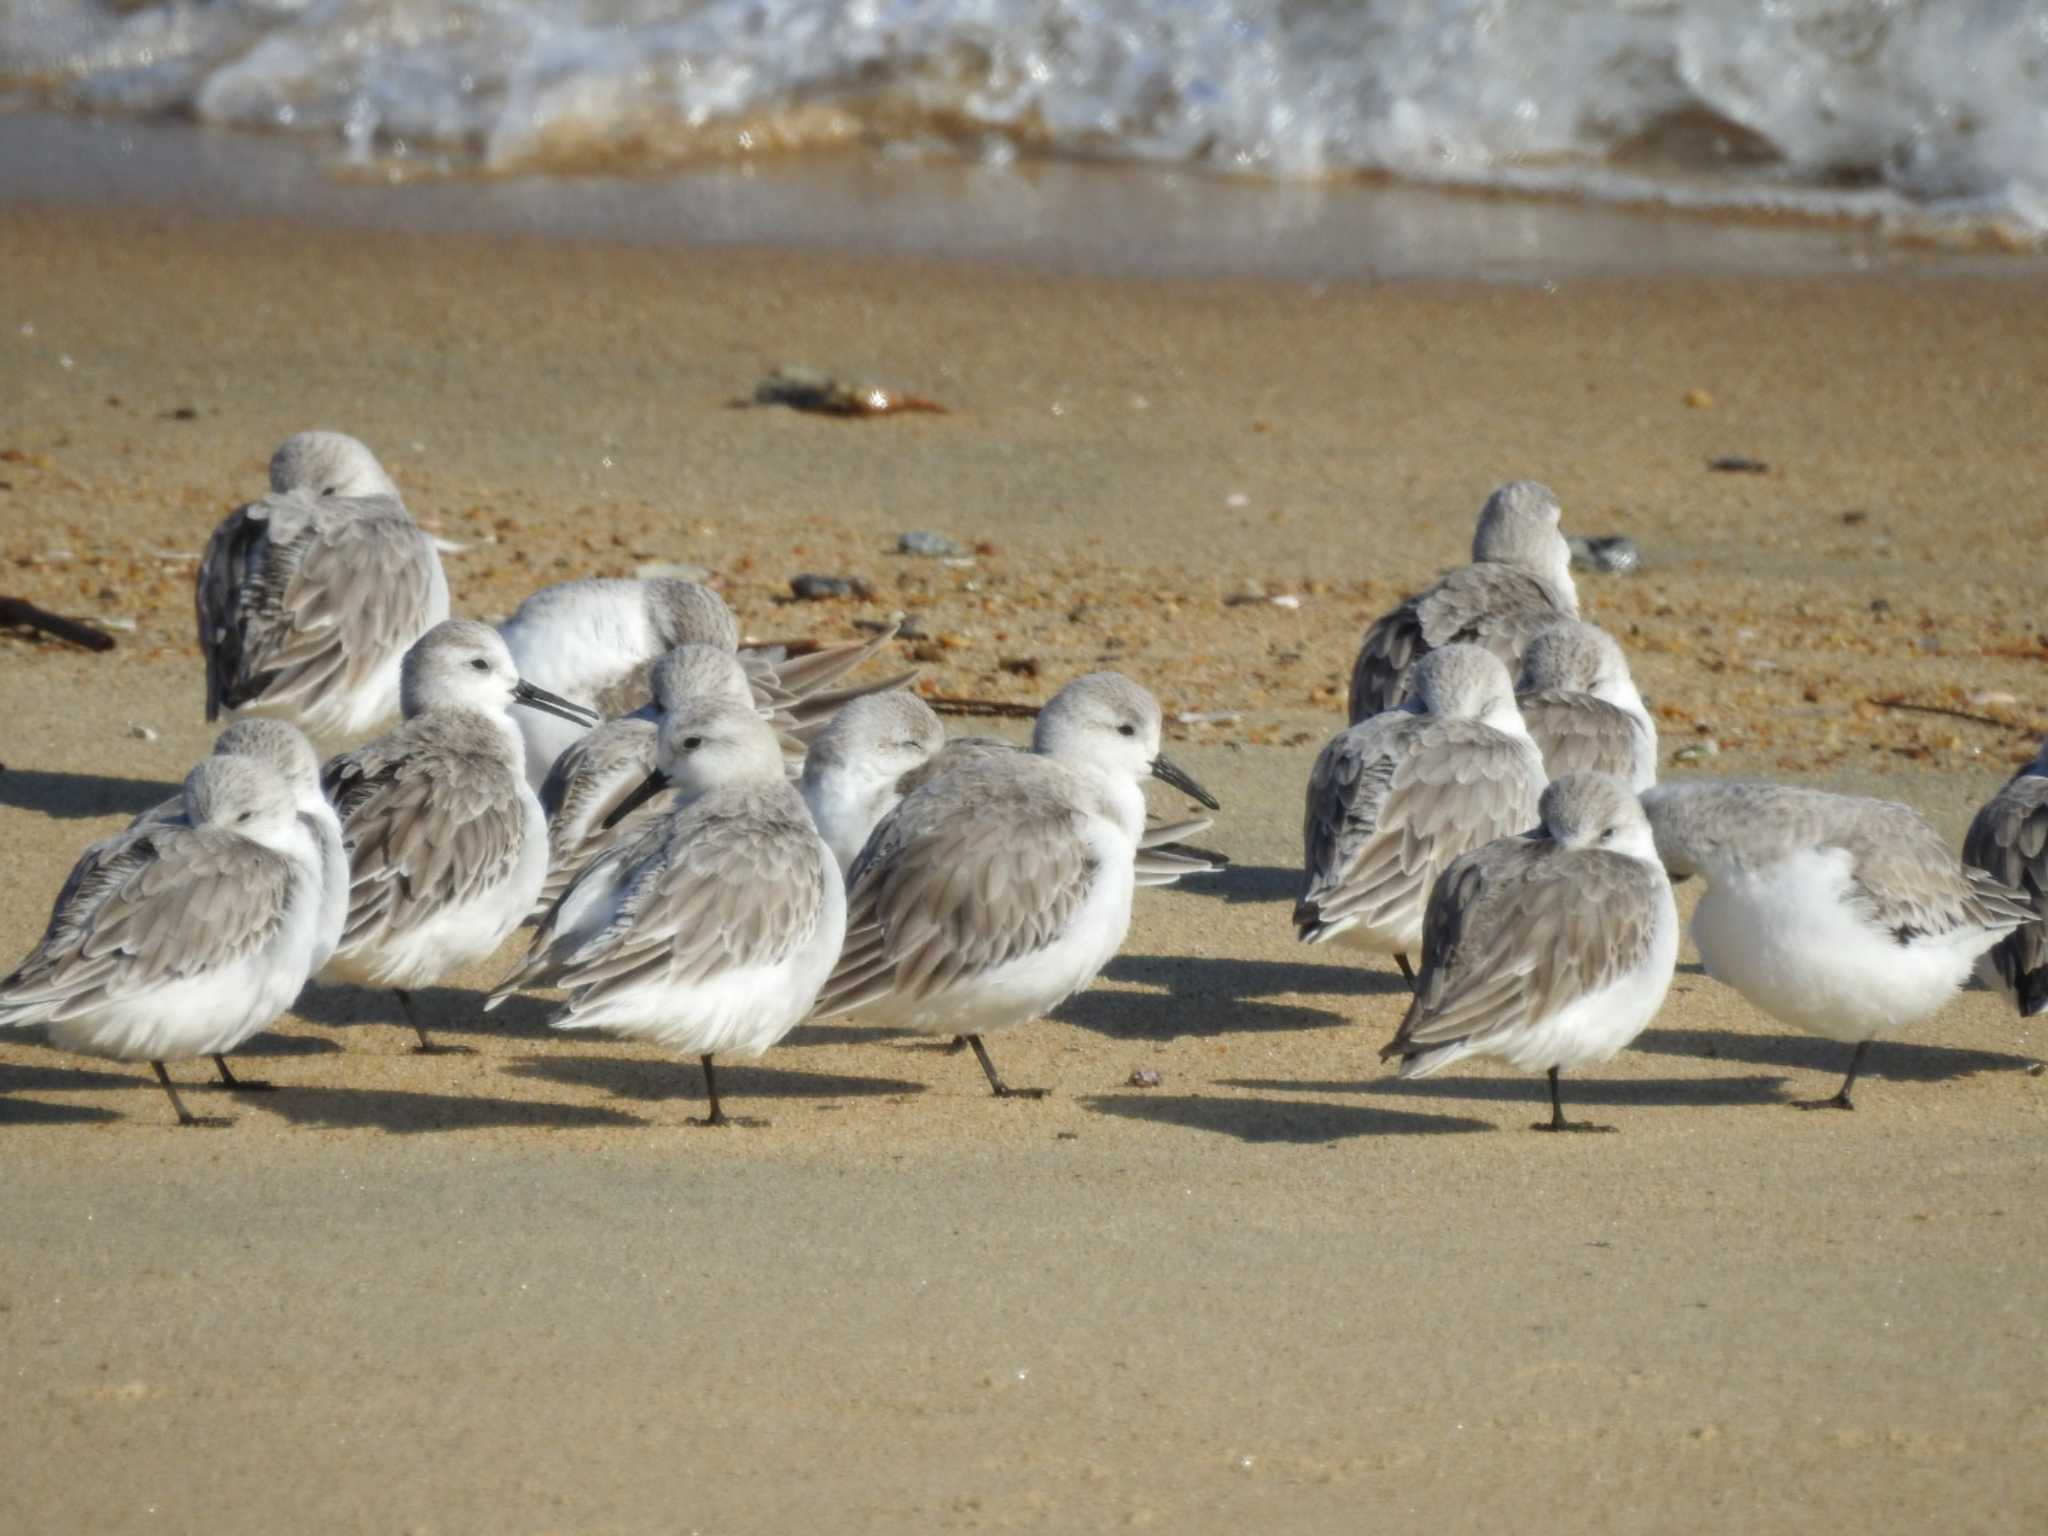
(734, 879)
(587, 783)
(2008, 841)
(1484, 603)
(429, 822)
(160, 906)
(981, 867)
(1390, 802)
(299, 594)
(1520, 929)
(1578, 733)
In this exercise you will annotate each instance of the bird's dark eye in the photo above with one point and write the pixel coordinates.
(692, 743)
(1604, 836)
(481, 665)
(330, 490)
(245, 816)
(1127, 730)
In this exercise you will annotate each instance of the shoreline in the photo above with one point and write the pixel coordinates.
(1058, 217)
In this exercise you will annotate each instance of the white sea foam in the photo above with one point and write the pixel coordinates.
(1928, 116)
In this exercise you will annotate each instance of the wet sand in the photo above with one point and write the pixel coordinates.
(515, 1288)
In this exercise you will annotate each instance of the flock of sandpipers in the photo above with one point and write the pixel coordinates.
(713, 843)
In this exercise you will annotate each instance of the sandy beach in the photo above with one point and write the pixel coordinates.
(514, 1289)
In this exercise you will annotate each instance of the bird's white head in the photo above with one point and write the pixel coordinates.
(1107, 722)
(1573, 657)
(877, 738)
(328, 464)
(685, 613)
(1518, 526)
(242, 795)
(711, 743)
(279, 745)
(698, 672)
(1464, 682)
(461, 664)
(1596, 810)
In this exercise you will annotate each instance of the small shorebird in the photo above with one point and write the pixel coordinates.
(1582, 708)
(283, 748)
(862, 764)
(447, 845)
(183, 938)
(597, 772)
(309, 598)
(2008, 840)
(1550, 950)
(1394, 799)
(713, 930)
(1518, 583)
(1845, 917)
(1002, 886)
(593, 641)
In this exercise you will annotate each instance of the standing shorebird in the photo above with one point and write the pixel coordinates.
(1550, 950)
(1002, 886)
(1394, 799)
(712, 931)
(309, 598)
(447, 845)
(183, 938)
(1519, 582)
(1848, 918)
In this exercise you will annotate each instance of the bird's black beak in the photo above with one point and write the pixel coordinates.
(547, 703)
(1168, 771)
(643, 792)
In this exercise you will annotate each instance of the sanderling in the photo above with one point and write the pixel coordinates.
(185, 938)
(447, 845)
(1846, 917)
(1519, 582)
(1003, 885)
(309, 599)
(2008, 840)
(596, 773)
(857, 768)
(1549, 950)
(711, 932)
(1581, 706)
(1394, 799)
(594, 641)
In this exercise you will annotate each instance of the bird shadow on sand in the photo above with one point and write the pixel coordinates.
(1245, 885)
(1217, 995)
(1900, 1059)
(275, 1044)
(1295, 1121)
(37, 1112)
(650, 1082)
(58, 1078)
(442, 1011)
(834, 1033)
(406, 1114)
(1637, 1092)
(80, 796)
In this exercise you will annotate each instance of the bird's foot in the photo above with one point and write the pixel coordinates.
(1838, 1101)
(1586, 1126)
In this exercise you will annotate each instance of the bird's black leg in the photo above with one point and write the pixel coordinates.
(717, 1115)
(185, 1116)
(236, 1084)
(956, 1045)
(1840, 1100)
(1407, 972)
(1002, 1089)
(426, 1047)
(1557, 1121)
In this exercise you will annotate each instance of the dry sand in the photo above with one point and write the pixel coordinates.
(514, 1290)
